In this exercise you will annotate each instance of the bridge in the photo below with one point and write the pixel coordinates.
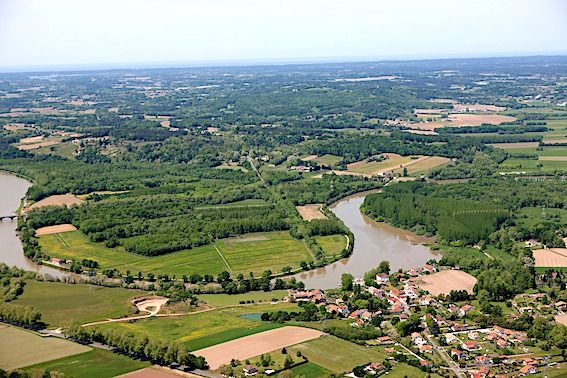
(10, 217)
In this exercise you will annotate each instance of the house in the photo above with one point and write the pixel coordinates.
(428, 269)
(341, 310)
(532, 243)
(413, 272)
(366, 316)
(250, 370)
(425, 300)
(375, 292)
(465, 310)
(357, 323)
(390, 350)
(315, 296)
(385, 340)
(450, 338)
(528, 369)
(382, 278)
(501, 343)
(471, 346)
(482, 360)
(453, 309)
(425, 348)
(417, 339)
(457, 354)
(374, 368)
(426, 363)
(458, 327)
(404, 316)
(473, 336)
(410, 291)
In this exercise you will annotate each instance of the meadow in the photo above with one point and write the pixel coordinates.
(218, 300)
(335, 354)
(254, 253)
(61, 303)
(331, 244)
(95, 363)
(203, 329)
(23, 348)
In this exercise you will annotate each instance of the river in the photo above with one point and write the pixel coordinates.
(373, 242)
(12, 190)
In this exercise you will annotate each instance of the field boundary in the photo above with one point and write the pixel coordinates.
(222, 257)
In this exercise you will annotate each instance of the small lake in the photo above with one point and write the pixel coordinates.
(255, 316)
(373, 242)
(12, 190)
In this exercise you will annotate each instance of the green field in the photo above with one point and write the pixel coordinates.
(254, 252)
(244, 203)
(61, 303)
(335, 354)
(234, 299)
(368, 167)
(529, 216)
(310, 370)
(514, 164)
(22, 348)
(331, 244)
(328, 159)
(96, 363)
(204, 329)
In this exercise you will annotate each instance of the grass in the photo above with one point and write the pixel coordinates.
(201, 330)
(244, 203)
(335, 354)
(328, 159)
(515, 164)
(405, 370)
(529, 216)
(218, 300)
(424, 166)
(392, 163)
(331, 244)
(276, 251)
(310, 370)
(22, 348)
(61, 303)
(95, 363)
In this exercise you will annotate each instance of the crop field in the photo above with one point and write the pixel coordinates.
(446, 280)
(203, 329)
(424, 165)
(327, 159)
(527, 165)
(61, 303)
(331, 244)
(23, 348)
(254, 345)
(553, 257)
(278, 250)
(55, 229)
(335, 354)
(95, 363)
(374, 167)
(310, 212)
(255, 252)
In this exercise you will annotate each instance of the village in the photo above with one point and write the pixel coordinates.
(444, 333)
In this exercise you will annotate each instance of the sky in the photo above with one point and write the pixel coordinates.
(42, 33)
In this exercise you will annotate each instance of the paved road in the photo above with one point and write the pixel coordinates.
(448, 360)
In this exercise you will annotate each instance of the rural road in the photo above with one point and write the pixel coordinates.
(151, 306)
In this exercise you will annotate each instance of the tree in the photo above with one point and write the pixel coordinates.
(288, 362)
(347, 281)
(384, 267)
(226, 370)
(286, 269)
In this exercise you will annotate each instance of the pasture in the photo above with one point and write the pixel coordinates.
(61, 303)
(205, 328)
(22, 348)
(252, 253)
(310, 370)
(217, 300)
(371, 166)
(335, 354)
(94, 363)
(331, 244)
(254, 345)
(327, 159)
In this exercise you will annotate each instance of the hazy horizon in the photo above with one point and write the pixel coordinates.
(70, 35)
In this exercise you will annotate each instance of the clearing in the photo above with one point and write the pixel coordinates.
(310, 212)
(56, 200)
(250, 346)
(54, 229)
(95, 363)
(446, 280)
(552, 257)
(458, 120)
(23, 348)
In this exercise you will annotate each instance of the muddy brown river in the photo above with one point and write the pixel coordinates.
(12, 190)
(373, 242)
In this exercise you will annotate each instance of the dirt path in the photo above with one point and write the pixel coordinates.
(152, 306)
(222, 257)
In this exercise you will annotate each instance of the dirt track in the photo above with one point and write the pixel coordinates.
(254, 345)
(151, 305)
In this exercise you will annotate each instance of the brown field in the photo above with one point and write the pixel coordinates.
(309, 158)
(341, 173)
(55, 229)
(34, 146)
(548, 141)
(446, 280)
(156, 372)
(251, 346)
(553, 158)
(458, 120)
(426, 164)
(310, 212)
(57, 200)
(428, 111)
(477, 108)
(113, 110)
(34, 139)
(511, 146)
(444, 100)
(555, 257)
(421, 132)
(561, 319)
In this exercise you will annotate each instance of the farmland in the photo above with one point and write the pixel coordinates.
(331, 244)
(256, 253)
(204, 329)
(445, 281)
(61, 303)
(94, 363)
(23, 348)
